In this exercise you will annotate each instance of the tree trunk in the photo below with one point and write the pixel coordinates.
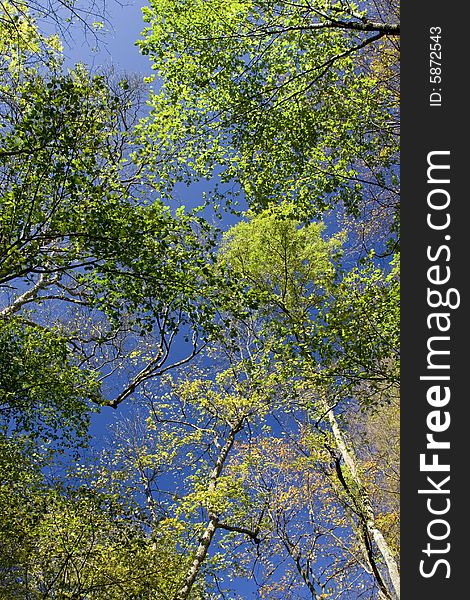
(211, 527)
(201, 553)
(365, 506)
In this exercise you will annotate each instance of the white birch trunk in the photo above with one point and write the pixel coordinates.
(211, 527)
(368, 513)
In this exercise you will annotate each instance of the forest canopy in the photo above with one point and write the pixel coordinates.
(245, 338)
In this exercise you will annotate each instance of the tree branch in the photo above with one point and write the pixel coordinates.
(251, 534)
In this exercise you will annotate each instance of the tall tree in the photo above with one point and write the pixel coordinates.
(328, 349)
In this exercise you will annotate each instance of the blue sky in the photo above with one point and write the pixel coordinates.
(118, 48)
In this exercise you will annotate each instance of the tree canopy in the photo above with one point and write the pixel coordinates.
(280, 99)
(250, 355)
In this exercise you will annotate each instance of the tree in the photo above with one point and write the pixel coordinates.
(213, 414)
(272, 97)
(325, 347)
(97, 278)
(86, 254)
(376, 437)
(68, 539)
